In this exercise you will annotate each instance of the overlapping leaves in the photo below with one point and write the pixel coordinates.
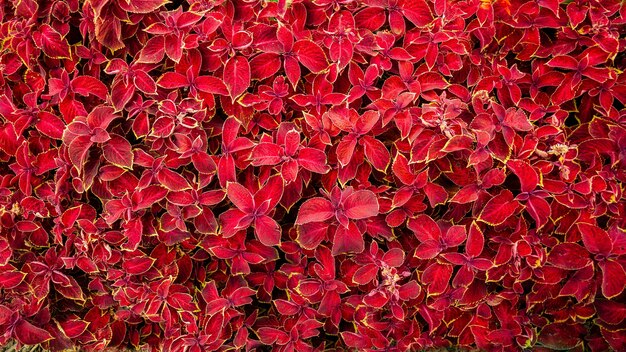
(310, 175)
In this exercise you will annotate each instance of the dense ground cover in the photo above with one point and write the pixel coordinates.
(313, 174)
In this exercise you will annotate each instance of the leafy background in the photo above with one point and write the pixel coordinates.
(313, 174)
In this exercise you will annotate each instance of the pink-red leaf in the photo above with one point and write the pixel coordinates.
(118, 152)
(237, 76)
(310, 55)
(315, 210)
(51, 42)
(361, 205)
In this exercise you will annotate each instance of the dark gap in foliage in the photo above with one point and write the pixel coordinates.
(512, 183)
(551, 33)
(74, 36)
(95, 202)
(603, 221)
(572, 120)
(174, 4)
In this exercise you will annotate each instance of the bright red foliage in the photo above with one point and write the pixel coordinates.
(311, 175)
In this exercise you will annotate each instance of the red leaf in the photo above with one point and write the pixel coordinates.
(172, 181)
(118, 152)
(348, 240)
(597, 241)
(436, 194)
(240, 196)
(355, 340)
(73, 328)
(138, 265)
(70, 290)
(85, 85)
(264, 65)
(569, 256)
(560, 336)
(270, 336)
(499, 208)
(313, 160)
(613, 278)
(458, 142)
(121, 95)
(376, 153)
(50, 125)
(142, 6)
(29, 334)
(432, 80)
(267, 230)
(539, 209)
(51, 42)
(416, 11)
(11, 279)
(149, 196)
(562, 61)
(345, 150)
(466, 194)
(109, 32)
(144, 82)
(311, 235)
(410, 290)
(315, 210)
(428, 249)
(78, 150)
(437, 277)
(610, 312)
(270, 193)
(172, 80)
(237, 76)
(174, 47)
(475, 241)
(394, 257)
(361, 204)
(310, 55)
(365, 274)
(211, 85)
(153, 50)
(425, 228)
(266, 154)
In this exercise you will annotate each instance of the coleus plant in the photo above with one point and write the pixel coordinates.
(308, 175)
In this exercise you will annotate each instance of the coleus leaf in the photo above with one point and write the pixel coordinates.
(11, 279)
(596, 240)
(142, 6)
(348, 240)
(85, 85)
(315, 210)
(51, 42)
(310, 55)
(499, 208)
(569, 256)
(529, 179)
(29, 334)
(73, 328)
(148, 196)
(237, 76)
(50, 125)
(138, 265)
(118, 151)
(613, 278)
(361, 204)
